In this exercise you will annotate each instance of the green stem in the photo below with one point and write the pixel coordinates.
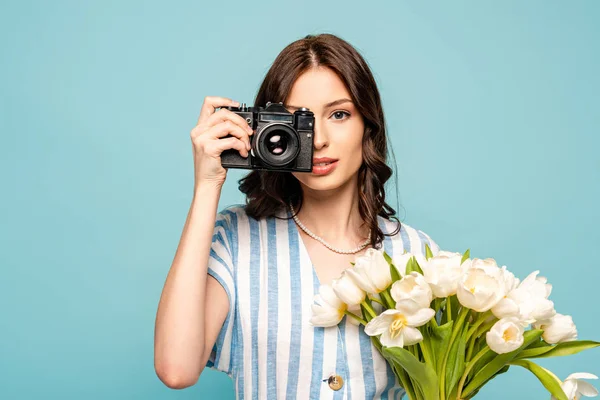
(369, 309)
(455, 330)
(485, 327)
(448, 309)
(468, 369)
(425, 349)
(388, 299)
(377, 301)
(470, 348)
(480, 320)
(356, 317)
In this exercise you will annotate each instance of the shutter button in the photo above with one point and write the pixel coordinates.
(335, 382)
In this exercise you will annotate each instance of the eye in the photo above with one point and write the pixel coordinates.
(339, 115)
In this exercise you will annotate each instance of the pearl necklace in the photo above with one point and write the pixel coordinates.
(319, 239)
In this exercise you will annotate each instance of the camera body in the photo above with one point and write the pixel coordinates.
(282, 141)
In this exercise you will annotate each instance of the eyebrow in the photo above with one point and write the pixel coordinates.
(333, 103)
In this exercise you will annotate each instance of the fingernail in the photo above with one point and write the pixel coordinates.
(248, 146)
(249, 128)
(235, 103)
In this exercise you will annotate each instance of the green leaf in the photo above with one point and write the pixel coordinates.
(428, 253)
(499, 361)
(466, 256)
(534, 352)
(455, 306)
(393, 270)
(421, 373)
(558, 350)
(409, 267)
(545, 378)
(440, 337)
(413, 265)
(455, 366)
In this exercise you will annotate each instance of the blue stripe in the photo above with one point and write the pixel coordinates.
(273, 312)
(423, 241)
(348, 385)
(405, 240)
(316, 380)
(389, 249)
(254, 299)
(340, 362)
(237, 345)
(366, 355)
(295, 312)
(223, 224)
(218, 347)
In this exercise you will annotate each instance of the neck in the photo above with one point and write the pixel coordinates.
(334, 215)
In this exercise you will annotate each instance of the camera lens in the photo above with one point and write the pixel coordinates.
(277, 144)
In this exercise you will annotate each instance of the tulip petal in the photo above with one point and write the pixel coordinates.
(581, 375)
(380, 323)
(325, 320)
(570, 388)
(419, 318)
(411, 335)
(586, 389)
(329, 296)
(505, 308)
(387, 340)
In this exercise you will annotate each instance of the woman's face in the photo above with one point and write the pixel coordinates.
(339, 128)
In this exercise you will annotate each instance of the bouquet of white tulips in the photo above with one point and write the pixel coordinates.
(448, 324)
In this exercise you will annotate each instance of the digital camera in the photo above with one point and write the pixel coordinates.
(282, 141)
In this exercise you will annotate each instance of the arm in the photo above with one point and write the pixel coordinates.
(185, 328)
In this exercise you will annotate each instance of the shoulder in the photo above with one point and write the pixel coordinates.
(235, 217)
(239, 211)
(410, 237)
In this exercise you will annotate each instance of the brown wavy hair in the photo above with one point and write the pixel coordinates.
(268, 192)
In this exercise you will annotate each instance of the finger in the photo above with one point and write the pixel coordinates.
(229, 128)
(226, 115)
(216, 147)
(212, 102)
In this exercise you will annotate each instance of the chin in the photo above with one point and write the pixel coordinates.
(322, 183)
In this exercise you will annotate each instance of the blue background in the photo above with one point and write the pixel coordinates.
(492, 108)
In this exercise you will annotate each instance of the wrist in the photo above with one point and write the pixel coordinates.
(206, 187)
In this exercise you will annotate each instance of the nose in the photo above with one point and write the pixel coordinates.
(320, 136)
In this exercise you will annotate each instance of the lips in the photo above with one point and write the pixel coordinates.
(320, 161)
(323, 165)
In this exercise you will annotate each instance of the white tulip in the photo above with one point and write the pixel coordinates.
(574, 387)
(371, 272)
(347, 290)
(560, 328)
(505, 336)
(414, 290)
(538, 290)
(528, 302)
(482, 286)
(398, 327)
(329, 309)
(444, 271)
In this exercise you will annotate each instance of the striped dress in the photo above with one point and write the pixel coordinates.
(266, 344)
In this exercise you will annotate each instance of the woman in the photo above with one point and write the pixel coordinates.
(239, 293)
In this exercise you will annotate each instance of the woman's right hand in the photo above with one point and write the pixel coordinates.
(209, 139)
